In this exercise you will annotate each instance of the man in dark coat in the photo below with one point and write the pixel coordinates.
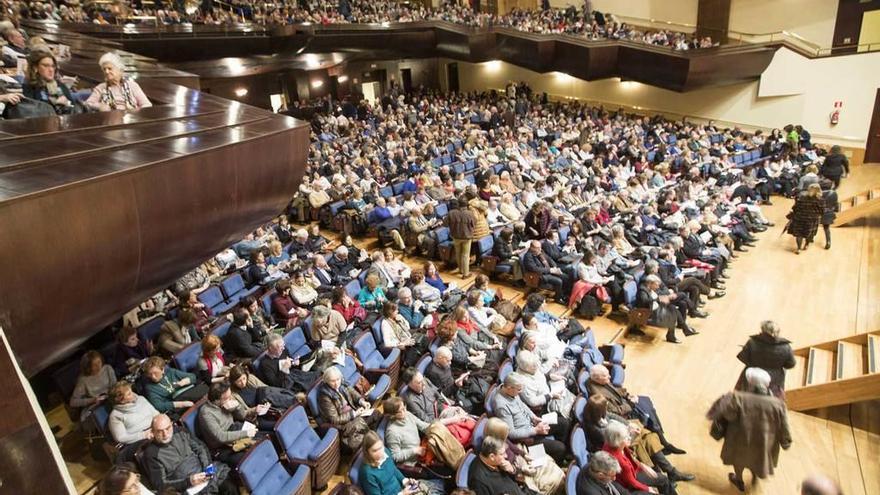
(461, 228)
(239, 341)
(832, 204)
(535, 261)
(597, 478)
(770, 352)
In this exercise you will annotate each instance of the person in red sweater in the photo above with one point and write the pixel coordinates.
(633, 474)
(284, 309)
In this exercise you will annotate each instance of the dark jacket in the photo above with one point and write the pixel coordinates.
(773, 355)
(39, 92)
(240, 343)
(538, 263)
(426, 405)
(170, 465)
(297, 380)
(442, 379)
(341, 269)
(485, 481)
(337, 407)
(587, 485)
(805, 215)
(831, 206)
(461, 223)
(834, 166)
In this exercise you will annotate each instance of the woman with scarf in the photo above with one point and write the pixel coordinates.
(41, 84)
(117, 92)
(211, 366)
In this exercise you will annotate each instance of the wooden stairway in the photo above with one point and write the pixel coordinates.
(835, 373)
(858, 206)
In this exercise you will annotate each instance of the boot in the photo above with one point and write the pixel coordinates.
(688, 331)
(828, 245)
(671, 338)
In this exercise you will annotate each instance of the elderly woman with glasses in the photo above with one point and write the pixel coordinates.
(117, 92)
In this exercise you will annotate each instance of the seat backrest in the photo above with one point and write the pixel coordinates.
(571, 477)
(149, 329)
(294, 339)
(353, 288)
(505, 369)
(187, 358)
(580, 405)
(101, 416)
(256, 364)
(211, 296)
(335, 207)
(355, 470)
(578, 445)
(231, 285)
(189, 419)
(222, 329)
(364, 345)
(441, 210)
(423, 362)
(464, 469)
(512, 348)
(479, 433)
(380, 430)
(442, 234)
(583, 378)
(312, 401)
(266, 301)
(485, 245)
(386, 192)
(490, 400)
(377, 330)
(397, 188)
(563, 233)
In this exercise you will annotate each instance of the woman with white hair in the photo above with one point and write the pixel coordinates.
(345, 409)
(634, 475)
(753, 425)
(536, 392)
(117, 92)
(770, 352)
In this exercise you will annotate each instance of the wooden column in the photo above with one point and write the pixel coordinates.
(713, 19)
(30, 459)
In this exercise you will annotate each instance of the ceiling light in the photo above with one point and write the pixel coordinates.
(240, 92)
(317, 83)
(342, 78)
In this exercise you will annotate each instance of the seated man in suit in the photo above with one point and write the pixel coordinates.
(492, 474)
(439, 373)
(243, 340)
(299, 246)
(177, 460)
(663, 312)
(323, 273)
(341, 266)
(597, 478)
(536, 261)
(695, 248)
(628, 405)
(525, 424)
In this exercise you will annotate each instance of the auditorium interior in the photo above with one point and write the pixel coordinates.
(677, 180)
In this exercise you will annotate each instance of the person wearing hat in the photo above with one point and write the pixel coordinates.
(753, 425)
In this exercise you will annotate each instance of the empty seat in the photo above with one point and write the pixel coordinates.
(222, 329)
(304, 446)
(187, 358)
(579, 448)
(375, 363)
(353, 288)
(262, 473)
(351, 375)
(234, 289)
(213, 298)
(295, 343)
(571, 476)
(149, 330)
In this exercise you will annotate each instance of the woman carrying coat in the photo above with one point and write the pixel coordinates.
(770, 352)
(753, 425)
(805, 215)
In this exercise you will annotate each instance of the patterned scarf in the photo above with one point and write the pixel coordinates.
(108, 99)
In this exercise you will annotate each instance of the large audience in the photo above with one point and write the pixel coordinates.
(592, 25)
(406, 374)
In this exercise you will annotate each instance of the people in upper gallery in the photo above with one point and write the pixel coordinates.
(130, 351)
(176, 460)
(805, 215)
(753, 426)
(93, 384)
(770, 352)
(43, 84)
(117, 92)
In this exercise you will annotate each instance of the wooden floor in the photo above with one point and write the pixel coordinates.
(816, 296)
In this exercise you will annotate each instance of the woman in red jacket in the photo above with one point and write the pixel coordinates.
(633, 474)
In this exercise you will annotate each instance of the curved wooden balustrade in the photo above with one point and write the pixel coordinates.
(589, 60)
(99, 211)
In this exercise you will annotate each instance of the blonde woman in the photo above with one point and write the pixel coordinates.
(805, 215)
(548, 478)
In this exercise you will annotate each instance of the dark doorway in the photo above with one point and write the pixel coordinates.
(334, 88)
(452, 76)
(872, 150)
(406, 79)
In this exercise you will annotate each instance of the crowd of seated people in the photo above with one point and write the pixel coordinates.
(327, 326)
(570, 21)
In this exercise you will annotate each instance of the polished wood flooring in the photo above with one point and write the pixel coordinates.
(815, 296)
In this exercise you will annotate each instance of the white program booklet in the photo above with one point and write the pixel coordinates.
(538, 455)
(550, 418)
(557, 387)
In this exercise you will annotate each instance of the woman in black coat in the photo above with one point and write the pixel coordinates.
(805, 215)
(770, 352)
(832, 204)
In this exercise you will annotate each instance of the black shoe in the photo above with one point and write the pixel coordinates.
(636, 331)
(673, 339)
(770, 224)
(749, 244)
(699, 314)
(827, 245)
(688, 331)
(701, 304)
(677, 475)
(717, 294)
(739, 250)
(670, 449)
(738, 483)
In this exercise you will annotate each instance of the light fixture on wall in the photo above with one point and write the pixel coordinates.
(563, 77)
(628, 85)
(241, 92)
(342, 78)
(493, 65)
(317, 83)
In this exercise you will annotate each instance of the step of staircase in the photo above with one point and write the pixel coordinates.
(820, 366)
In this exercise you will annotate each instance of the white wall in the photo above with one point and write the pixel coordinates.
(811, 19)
(799, 91)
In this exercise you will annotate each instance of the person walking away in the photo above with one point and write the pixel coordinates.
(805, 215)
(461, 228)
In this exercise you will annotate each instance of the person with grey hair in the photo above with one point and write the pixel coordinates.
(598, 478)
(525, 424)
(819, 484)
(341, 266)
(664, 313)
(537, 393)
(328, 324)
(753, 425)
(633, 475)
(345, 409)
(278, 369)
(770, 352)
(117, 92)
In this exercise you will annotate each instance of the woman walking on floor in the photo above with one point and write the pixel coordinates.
(804, 217)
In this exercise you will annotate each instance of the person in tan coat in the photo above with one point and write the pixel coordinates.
(175, 335)
(753, 425)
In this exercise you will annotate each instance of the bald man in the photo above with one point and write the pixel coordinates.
(177, 460)
(819, 484)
